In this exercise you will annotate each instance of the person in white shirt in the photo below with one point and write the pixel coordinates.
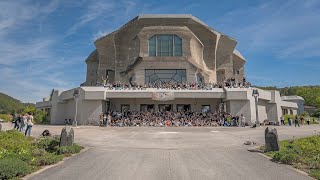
(243, 120)
(29, 125)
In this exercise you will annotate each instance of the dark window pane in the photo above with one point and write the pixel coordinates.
(152, 46)
(165, 75)
(149, 72)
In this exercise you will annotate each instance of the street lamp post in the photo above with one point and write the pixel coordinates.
(76, 98)
(255, 94)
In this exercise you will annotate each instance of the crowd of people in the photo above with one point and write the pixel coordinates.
(229, 83)
(173, 86)
(296, 120)
(170, 118)
(23, 123)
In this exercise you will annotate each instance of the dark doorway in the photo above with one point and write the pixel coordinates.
(183, 107)
(147, 107)
(165, 107)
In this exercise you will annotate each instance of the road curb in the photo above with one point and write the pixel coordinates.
(289, 166)
(54, 165)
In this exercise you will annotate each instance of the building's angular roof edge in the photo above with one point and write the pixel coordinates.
(237, 53)
(186, 16)
(91, 56)
(288, 98)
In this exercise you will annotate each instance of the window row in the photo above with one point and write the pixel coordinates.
(165, 45)
(164, 107)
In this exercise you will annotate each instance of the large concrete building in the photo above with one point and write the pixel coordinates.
(164, 48)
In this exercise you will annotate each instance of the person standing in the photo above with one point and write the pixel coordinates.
(23, 122)
(308, 120)
(296, 121)
(243, 120)
(282, 120)
(29, 125)
(289, 121)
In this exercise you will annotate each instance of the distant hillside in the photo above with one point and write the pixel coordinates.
(311, 94)
(9, 104)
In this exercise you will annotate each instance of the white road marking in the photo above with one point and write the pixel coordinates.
(168, 132)
(215, 131)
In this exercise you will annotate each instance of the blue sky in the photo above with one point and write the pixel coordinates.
(43, 44)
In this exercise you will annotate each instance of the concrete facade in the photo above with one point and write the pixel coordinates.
(124, 55)
(204, 51)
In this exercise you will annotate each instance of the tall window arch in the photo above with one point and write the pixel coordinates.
(165, 45)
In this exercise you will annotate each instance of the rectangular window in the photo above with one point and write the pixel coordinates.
(125, 107)
(165, 45)
(183, 107)
(147, 107)
(165, 75)
(205, 108)
(165, 107)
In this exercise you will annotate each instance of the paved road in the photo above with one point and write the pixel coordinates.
(172, 153)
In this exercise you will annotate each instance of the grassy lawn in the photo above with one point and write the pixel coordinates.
(20, 155)
(303, 154)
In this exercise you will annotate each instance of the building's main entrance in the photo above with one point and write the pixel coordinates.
(147, 107)
(165, 107)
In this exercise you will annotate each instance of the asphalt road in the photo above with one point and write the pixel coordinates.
(172, 153)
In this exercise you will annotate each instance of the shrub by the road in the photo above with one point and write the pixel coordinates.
(302, 153)
(13, 167)
(69, 149)
(20, 155)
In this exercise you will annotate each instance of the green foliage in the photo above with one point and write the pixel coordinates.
(14, 142)
(316, 114)
(20, 155)
(6, 117)
(302, 153)
(69, 149)
(10, 105)
(315, 173)
(311, 94)
(40, 116)
(47, 159)
(49, 144)
(13, 167)
(29, 109)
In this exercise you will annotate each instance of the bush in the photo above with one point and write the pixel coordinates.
(6, 117)
(38, 152)
(47, 159)
(303, 153)
(13, 167)
(40, 116)
(14, 142)
(316, 114)
(49, 144)
(286, 157)
(69, 149)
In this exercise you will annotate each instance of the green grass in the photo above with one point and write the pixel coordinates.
(20, 155)
(303, 154)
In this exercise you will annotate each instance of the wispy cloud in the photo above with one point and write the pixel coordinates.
(281, 28)
(94, 10)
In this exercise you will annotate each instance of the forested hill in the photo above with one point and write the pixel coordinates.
(311, 94)
(9, 104)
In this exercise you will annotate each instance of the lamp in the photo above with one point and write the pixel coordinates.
(255, 94)
(76, 95)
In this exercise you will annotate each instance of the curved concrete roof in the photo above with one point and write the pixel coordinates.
(167, 16)
(288, 98)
